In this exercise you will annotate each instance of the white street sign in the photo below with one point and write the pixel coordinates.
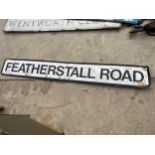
(36, 25)
(124, 75)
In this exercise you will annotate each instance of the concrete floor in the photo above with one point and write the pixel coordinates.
(75, 108)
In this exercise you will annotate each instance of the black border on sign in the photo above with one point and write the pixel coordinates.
(82, 63)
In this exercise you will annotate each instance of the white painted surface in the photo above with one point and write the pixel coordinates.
(35, 25)
(93, 73)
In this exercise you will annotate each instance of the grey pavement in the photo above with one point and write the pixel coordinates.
(76, 108)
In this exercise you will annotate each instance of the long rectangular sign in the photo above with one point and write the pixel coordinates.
(124, 75)
(36, 25)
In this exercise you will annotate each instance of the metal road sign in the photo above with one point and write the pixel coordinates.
(36, 25)
(123, 75)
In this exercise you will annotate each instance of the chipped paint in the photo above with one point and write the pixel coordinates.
(26, 25)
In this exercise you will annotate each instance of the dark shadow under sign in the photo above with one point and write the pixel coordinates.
(22, 125)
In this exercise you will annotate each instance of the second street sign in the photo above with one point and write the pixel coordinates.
(123, 75)
(36, 25)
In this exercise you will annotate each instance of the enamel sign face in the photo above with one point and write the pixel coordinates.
(124, 75)
(36, 25)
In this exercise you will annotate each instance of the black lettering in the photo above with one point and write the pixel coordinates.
(114, 72)
(20, 24)
(27, 23)
(126, 76)
(15, 66)
(35, 68)
(75, 72)
(56, 22)
(40, 23)
(81, 73)
(32, 23)
(28, 66)
(8, 65)
(43, 69)
(135, 79)
(22, 68)
(13, 23)
(68, 70)
(104, 72)
(89, 74)
(51, 69)
(48, 23)
(60, 70)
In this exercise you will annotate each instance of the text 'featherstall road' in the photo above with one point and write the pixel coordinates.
(125, 75)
